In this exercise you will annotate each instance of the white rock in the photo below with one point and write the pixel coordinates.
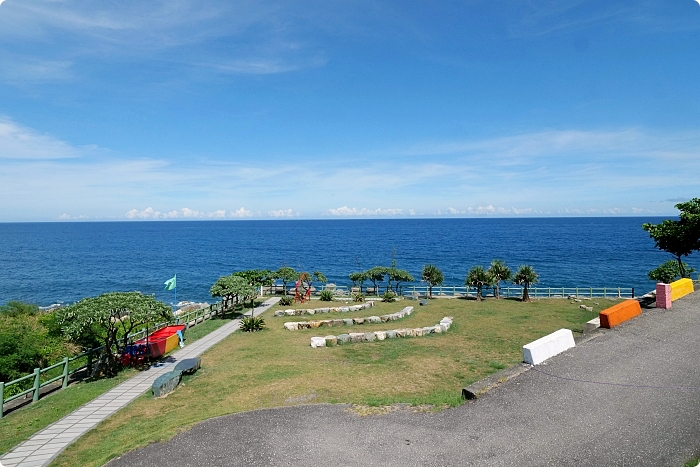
(291, 326)
(381, 335)
(318, 342)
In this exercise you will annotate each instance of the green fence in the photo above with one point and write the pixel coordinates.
(68, 367)
(534, 292)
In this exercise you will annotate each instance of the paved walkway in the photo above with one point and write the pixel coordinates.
(630, 396)
(41, 448)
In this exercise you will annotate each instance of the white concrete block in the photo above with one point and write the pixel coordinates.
(592, 325)
(548, 346)
(318, 342)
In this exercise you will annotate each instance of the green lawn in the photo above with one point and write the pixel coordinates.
(22, 423)
(276, 367)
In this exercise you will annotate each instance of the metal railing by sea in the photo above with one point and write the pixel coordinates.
(70, 367)
(534, 292)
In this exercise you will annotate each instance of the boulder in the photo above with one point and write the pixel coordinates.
(323, 310)
(400, 332)
(428, 330)
(348, 321)
(423, 303)
(357, 336)
(279, 313)
(327, 322)
(331, 341)
(289, 312)
(338, 322)
(381, 335)
(291, 326)
(370, 337)
(303, 325)
(189, 365)
(166, 382)
(374, 319)
(358, 320)
(391, 334)
(343, 339)
(314, 324)
(418, 332)
(385, 318)
(299, 312)
(344, 309)
(310, 312)
(317, 342)
(437, 329)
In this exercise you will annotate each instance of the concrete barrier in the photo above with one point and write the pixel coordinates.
(619, 313)
(663, 296)
(548, 346)
(681, 288)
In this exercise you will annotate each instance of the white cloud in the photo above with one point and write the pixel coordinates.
(183, 213)
(19, 142)
(241, 213)
(354, 212)
(282, 213)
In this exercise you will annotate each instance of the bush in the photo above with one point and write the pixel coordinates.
(252, 324)
(326, 296)
(389, 296)
(358, 297)
(286, 300)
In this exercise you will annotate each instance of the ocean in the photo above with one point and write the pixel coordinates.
(47, 263)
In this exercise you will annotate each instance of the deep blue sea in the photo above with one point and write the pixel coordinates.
(46, 263)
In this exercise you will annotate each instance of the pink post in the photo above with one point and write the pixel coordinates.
(663, 296)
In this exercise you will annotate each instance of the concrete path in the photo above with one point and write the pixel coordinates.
(41, 448)
(630, 396)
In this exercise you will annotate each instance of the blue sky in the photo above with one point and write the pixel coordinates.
(257, 110)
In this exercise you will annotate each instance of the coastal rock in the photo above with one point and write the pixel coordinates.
(317, 342)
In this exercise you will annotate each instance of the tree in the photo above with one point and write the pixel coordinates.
(525, 276)
(433, 276)
(257, 278)
(499, 272)
(232, 289)
(376, 274)
(286, 274)
(478, 277)
(358, 278)
(679, 238)
(668, 272)
(110, 318)
(398, 276)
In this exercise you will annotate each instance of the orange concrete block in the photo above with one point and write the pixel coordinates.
(681, 288)
(619, 313)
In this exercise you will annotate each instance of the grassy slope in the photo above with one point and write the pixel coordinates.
(277, 367)
(21, 424)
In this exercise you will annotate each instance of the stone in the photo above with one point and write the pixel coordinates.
(327, 322)
(391, 334)
(303, 325)
(289, 312)
(322, 310)
(344, 309)
(381, 335)
(583, 307)
(370, 337)
(374, 319)
(338, 322)
(189, 366)
(423, 303)
(418, 332)
(357, 336)
(348, 321)
(437, 329)
(279, 313)
(358, 320)
(588, 308)
(444, 327)
(356, 308)
(166, 383)
(331, 341)
(408, 310)
(310, 312)
(401, 332)
(385, 318)
(299, 312)
(317, 342)
(315, 324)
(343, 339)
(291, 326)
(577, 300)
(428, 330)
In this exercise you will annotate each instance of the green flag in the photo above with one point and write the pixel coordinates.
(170, 284)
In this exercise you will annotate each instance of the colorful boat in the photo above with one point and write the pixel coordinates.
(154, 345)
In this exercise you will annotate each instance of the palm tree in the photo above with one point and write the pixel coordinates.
(525, 276)
(478, 277)
(433, 276)
(499, 272)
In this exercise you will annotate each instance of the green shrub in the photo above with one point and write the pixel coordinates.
(358, 297)
(326, 296)
(389, 296)
(286, 300)
(252, 324)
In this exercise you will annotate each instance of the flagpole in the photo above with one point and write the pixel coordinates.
(175, 304)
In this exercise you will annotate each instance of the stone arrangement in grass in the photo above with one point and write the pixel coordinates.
(318, 311)
(329, 341)
(297, 325)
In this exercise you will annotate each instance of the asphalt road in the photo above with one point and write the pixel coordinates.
(650, 416)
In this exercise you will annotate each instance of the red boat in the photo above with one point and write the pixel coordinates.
(153, 346)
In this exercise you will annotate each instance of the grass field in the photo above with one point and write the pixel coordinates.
(277, 367)
(22, 423)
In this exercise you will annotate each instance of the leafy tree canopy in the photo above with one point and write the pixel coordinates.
(433, 276)
(668, 272)
(110, 318)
